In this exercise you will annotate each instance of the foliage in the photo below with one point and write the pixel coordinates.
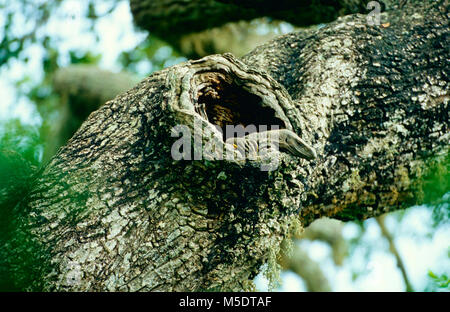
(441, 211)
(14, 41)
(438, 282)
(23, 139)
(24, 26)
(22, 30)
(20, 155)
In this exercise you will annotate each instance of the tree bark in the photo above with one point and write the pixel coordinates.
(82, 89)
(114, 211)
(168, 18)
(198, 26)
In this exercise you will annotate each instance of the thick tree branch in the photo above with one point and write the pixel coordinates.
(168, 18)
(305, 12)
(196, 28)
(88, 86)
(239, 38)
(115, 211)
(82, 89)
(379, 97)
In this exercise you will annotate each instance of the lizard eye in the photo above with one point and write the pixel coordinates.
(223, 101)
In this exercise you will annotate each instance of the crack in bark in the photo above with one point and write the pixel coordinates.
(114, 207)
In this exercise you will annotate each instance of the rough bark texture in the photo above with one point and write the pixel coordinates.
(200, 27)
(114, 211)
(307, 12)
(169, 18)
(366, 90)
(82, 89)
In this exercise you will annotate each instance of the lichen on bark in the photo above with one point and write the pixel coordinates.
(114, 211)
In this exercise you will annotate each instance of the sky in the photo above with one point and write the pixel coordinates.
(422, 248)
(69, 25)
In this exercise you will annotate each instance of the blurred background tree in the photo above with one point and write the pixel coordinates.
(62, 59)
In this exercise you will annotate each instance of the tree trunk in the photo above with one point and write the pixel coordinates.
(171, 19)
(114, 211)
(198, 26)
(82, 89)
